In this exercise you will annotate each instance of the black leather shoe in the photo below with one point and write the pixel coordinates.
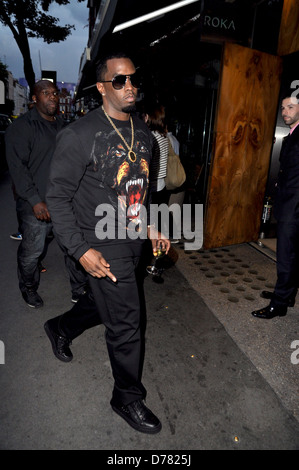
(138, 416)
(32, 298)
(266, 294)
(270, 312)
(60, 344)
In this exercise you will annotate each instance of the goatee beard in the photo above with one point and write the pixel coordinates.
(129, 109)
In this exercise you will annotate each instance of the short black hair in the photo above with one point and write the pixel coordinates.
(41, 84)
(101, 65)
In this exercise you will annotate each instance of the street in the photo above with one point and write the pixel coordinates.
(217, 378)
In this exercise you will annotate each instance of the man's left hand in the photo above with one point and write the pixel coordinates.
(158, 239)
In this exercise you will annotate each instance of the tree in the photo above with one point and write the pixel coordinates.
(3, 73)
(29, 19)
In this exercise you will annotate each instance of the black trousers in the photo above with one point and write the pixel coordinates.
(287, 254)
(78, 276)
(118, 307)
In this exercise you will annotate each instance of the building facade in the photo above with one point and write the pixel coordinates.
(19, 94)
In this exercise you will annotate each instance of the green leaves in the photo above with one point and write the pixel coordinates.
(29, 19)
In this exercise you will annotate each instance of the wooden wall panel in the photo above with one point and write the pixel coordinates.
(288, 41)
(244, 129)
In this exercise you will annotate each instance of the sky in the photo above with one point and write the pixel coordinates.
(64, 57)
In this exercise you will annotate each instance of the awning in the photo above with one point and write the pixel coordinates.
(138, 24)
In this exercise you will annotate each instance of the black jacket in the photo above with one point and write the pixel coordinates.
(286, 206)
(30, 144)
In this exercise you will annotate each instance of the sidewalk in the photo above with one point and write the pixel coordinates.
(217, 378)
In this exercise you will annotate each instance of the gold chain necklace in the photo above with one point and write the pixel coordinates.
(131, 154)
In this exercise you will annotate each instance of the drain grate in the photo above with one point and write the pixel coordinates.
(230, 274)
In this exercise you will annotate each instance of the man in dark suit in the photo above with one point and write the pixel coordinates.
(286, 212)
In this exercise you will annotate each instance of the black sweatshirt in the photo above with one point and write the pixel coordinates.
(30, 144)
(92, 178)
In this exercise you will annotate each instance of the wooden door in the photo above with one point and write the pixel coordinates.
(288, 41)
(244, 129)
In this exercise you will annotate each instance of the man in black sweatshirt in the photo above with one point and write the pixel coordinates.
(30, 144)
(97, 198)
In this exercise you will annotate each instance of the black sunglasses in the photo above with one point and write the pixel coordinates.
(119, 81)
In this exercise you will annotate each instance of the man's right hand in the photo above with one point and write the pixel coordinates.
(41, 211)
(95, 264)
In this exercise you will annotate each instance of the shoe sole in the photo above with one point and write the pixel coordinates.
(270, 317)
(135, 426)
(49, 334)
(35, 306)
(77, 300)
